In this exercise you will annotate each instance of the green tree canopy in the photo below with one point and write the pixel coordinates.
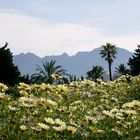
(109, 52)
(9, 74)
(44, 74)
(121, 70)
(134, 62)
(95, 73)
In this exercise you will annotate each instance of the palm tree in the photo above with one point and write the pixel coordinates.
(73, 78)
(95, 73)
(45, 74)
(121, 70)
(109, 52)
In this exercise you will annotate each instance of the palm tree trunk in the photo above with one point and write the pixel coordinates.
(110, 73)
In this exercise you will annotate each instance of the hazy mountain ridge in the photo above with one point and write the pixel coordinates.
(77, 64)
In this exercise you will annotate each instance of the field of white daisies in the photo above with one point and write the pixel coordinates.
(79, 111)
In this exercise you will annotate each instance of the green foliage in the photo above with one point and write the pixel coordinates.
(9, 74)
(45, 74)
(109, 52)
(25, 79)
(134, 62)
(13, 91)
(95, 73)
(80, 110)
(121, 70)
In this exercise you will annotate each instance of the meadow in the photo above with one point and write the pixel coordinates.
(79, 110)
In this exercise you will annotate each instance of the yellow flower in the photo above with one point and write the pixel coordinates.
(5, 97)
(119, 116)
(12, 108)
(46, 87)
(49, 120)
(88, 118)
(43, 126)
(25, 99)
(97, 131)
(58, 95)
(24, 86)
(62, 88)
(52, 103)
(3, 87)
(23, 127)
(41, 101)
(107, 113)
(117, 131)
(23, 93)
(130, 112)
(72, 129)
(36, 128)
(132, 104)
(114, 110)
(27, 102)
(59, 122)
(59, 128)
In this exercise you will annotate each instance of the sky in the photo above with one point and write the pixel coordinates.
(52, 27)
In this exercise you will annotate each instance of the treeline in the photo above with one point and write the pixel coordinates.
(52, 73)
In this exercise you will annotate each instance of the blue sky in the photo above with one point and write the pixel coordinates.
(47, 27)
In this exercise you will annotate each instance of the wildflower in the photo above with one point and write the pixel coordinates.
(41, 101)
(59, 122)
(23, 127)
(107, 113)
(114, 99)
(132, 104)
(3, 87)
(73, 123)
(43, 126)
(24, 86)
(12, 108)
(36, 128)
(72, 129)
(119, 116)
(45, 87)
(59, 128)
(35, 113)
(130, 112)
(97, 131)
(27, 102)
(4, 97)
(114, 110)
(58, 95)
(49, 120)
(88, 118)
(25, 99)
(62, 88)
(23, 93)
(117, 131)
(52, 103)
(76, 103)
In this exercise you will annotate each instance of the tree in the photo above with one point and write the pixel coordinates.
(45, 74)
(121, 70)
(25, 79)
(73, 78)
(9, 74)
(134, 62)
(109, 52)
(95, 73)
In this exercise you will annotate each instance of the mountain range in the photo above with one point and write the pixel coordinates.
(77, 64)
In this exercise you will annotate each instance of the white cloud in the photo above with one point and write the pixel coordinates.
(28, 34)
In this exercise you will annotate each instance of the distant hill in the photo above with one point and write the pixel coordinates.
(77, 64)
